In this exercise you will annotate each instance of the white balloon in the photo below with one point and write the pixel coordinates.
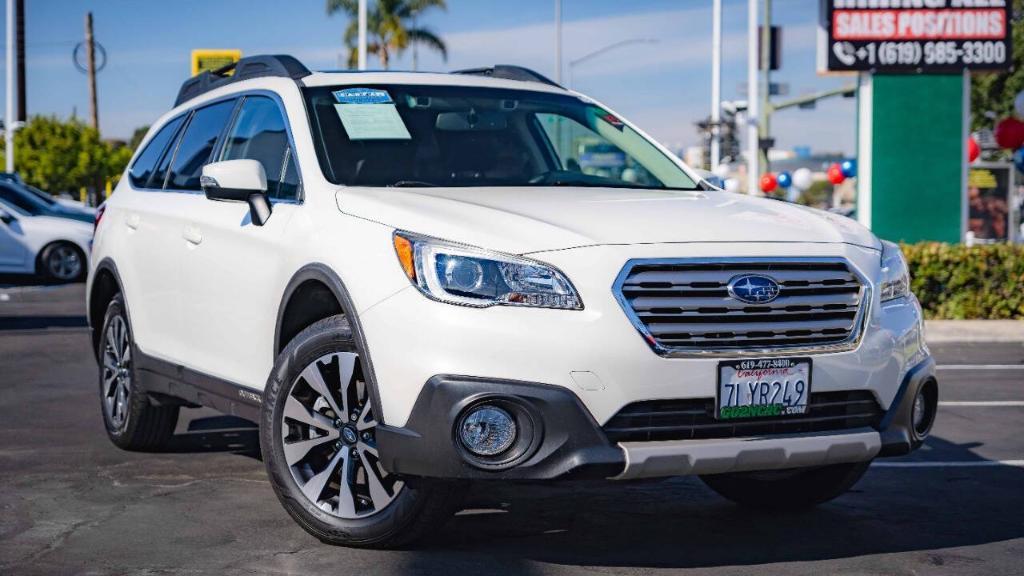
(802, 179)
(722, 171)
(732, 185)
(1018, 104)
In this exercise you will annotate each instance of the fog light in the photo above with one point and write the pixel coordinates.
(922, 413)
(487, 430)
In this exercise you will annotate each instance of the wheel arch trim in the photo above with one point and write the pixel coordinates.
(95, 321)
(328, 277)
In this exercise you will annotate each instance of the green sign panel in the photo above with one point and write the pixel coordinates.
(912, 154)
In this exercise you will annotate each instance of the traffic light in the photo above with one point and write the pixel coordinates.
(728, 131)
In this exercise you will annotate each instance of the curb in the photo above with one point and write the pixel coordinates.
(974, 331)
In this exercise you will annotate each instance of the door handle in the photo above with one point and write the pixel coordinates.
(192, 234)
(132, 221)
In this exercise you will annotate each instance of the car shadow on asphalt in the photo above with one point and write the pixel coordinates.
(27, 280)
(42, 322)
(217, 434)
(680, 523)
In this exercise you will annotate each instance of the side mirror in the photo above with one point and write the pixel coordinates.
(238, 181)
(7, 217)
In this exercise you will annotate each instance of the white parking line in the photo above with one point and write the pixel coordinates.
(961, 464)
(980, 367)
(983, 403)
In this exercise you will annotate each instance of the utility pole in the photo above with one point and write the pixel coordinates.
(716, 82)
(9, 121)
(362, 35)
(753, 135)
(764, 126)
(558, 41)
(19, 8)
(90, 54)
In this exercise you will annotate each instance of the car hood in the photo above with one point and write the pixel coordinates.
(534, 219)
(72, 228)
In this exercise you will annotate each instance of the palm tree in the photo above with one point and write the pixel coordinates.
(390, 27)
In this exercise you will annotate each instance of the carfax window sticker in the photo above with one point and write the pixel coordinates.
(362, 96)
(369, 114)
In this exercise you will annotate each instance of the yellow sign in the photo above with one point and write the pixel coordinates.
(203, 60)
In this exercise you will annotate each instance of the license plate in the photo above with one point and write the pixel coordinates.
(763, 388)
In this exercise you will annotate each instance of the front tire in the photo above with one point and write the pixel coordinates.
(132, 421)
(317, 435)
(787, 490)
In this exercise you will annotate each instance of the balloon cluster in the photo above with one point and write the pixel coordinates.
(801, 179)
(1009, 134)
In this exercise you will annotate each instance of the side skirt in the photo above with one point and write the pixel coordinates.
(168, 379)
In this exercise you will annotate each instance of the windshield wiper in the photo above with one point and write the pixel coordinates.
(413, 184)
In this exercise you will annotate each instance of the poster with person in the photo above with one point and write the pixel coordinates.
(989, 201)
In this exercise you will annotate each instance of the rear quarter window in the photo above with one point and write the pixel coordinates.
(142, 172)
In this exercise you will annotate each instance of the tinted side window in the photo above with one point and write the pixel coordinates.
(145, 164)
(288, 188)
(259, 133)
(197, 144)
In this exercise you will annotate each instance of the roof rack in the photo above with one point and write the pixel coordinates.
(280, 66)
(509, 72)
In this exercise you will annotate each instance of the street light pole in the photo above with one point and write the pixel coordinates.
(9, 120)
(716, 82)
(764, 127)
(558, 41)
(362, 35)
(753, 146)
(600, 51)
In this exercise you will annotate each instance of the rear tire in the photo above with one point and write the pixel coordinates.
(132, 421)
(787, 490)
(317, 435)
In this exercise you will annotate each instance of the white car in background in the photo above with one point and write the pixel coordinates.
(37, 243)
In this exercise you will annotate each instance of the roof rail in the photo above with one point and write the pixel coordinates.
(280, 66)
(509, 72)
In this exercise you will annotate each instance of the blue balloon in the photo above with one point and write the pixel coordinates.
(785, 179)
(849, 168)
(1018, 159)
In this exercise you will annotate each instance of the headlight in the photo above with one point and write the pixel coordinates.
(470, 276)
(895, 275)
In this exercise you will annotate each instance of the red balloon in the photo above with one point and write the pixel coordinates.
(835, 174)
(1010, 133)
(769, 182)
(973, 150)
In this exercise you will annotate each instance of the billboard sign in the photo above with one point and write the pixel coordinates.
(203, 60)
(916, 35)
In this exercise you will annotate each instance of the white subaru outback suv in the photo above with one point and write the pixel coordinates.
(413, 281)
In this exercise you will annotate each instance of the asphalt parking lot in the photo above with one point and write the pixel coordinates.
(72, 503)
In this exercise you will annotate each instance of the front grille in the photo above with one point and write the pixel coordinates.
(685, 306)
(694, 419)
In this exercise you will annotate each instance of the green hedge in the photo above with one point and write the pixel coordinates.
(956, 282)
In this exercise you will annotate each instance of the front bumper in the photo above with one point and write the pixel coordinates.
(596, 359)
(572, 445)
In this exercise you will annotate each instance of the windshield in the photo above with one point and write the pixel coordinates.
(468, 136)
(45, 197)
(26, 201)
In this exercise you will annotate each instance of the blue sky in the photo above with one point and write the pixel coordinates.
(663, 87)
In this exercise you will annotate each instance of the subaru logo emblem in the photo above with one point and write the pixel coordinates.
(753, 289)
